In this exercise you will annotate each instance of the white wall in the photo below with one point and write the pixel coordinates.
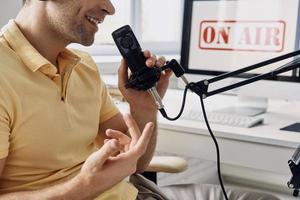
(9, 10)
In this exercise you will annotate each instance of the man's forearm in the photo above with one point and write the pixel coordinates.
(142, 117)
(74, 189)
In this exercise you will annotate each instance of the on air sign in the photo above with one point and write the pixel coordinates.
(268, 36)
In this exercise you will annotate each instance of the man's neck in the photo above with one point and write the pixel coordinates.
(39, 35)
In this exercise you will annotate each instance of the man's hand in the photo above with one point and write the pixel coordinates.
(126, 142)
(141, 100)
(142, 105)
(117, 158)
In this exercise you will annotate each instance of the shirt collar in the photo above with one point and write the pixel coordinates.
(17, 41)
(78, 56)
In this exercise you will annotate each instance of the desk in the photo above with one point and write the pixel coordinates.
(254, 156)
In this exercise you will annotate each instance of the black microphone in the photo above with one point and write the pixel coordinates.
(294, 164)
(142, 77)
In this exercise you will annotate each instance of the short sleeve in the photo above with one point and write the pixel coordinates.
(4, 136)
(4, 125)
(108, 108)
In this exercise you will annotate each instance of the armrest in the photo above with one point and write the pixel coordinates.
(169, 164)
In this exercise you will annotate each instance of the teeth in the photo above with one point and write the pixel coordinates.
(93, 20)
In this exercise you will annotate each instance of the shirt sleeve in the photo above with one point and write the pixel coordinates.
(4, 125)
(108, 108)
(4, 137)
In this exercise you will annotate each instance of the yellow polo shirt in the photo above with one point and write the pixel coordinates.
(48, 124)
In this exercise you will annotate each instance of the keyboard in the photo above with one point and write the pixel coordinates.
(223, 118)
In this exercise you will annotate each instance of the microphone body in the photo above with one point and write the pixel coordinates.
(142, 77)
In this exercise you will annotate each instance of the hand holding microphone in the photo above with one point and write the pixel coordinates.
(143, 77)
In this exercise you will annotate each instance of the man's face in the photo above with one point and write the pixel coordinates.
(76, 21)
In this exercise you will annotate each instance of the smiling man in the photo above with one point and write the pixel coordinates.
(54, 106)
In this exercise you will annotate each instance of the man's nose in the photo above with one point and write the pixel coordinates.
(110, 9)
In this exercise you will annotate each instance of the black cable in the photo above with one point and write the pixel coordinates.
(164, 114)
(217, 148)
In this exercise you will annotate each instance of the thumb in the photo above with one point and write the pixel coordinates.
(122, 75)
(109, 149)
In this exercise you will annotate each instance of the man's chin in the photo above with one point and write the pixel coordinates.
(85, 41)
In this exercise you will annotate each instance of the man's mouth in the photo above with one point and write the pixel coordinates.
(94, 20)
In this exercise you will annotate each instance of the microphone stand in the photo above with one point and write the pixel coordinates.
(201, 89)
(294, 164)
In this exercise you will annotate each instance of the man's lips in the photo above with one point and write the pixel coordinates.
(94, 20)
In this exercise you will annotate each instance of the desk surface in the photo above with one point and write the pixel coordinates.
(279, 114)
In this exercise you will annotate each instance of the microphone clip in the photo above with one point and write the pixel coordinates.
(144, 79)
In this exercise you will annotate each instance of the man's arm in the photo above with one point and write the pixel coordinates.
(103, 166)
(2, 163)
(72, 189)
(142, 106)
(76, 188)
(141, 119)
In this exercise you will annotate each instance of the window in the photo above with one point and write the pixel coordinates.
(156, 23)
(163, 24)
(121, 17)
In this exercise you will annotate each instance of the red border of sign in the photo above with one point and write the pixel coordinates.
(243, 21)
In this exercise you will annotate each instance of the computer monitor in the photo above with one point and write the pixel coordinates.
(224, 35)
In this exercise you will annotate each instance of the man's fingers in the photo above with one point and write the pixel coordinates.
(147, 53)
(133, 128)
(151, 58)
(160, 61)
(143, 141)
(151, 62)
(122, 75)
(118, 135)
(110, 148)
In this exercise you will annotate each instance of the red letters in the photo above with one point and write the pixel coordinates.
(242, 35)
